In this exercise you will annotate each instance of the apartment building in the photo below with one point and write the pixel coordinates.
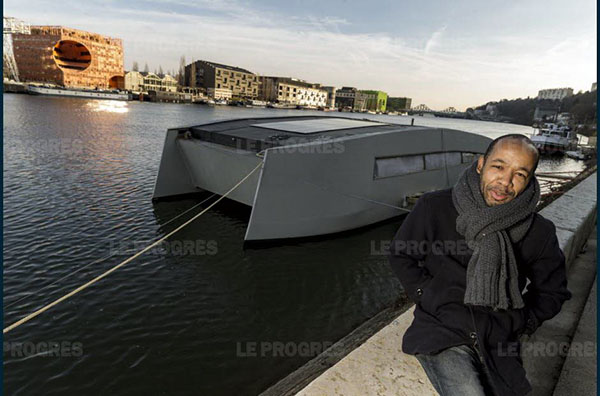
(345, 97)
(293, 91)
(399, 104)
(218, 77)
(555, 93)
(145, 82)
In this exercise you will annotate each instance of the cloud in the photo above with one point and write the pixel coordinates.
(434, 40)
(458, 70)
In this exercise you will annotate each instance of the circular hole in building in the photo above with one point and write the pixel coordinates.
(69, 54)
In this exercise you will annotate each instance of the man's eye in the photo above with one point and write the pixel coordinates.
(496, 166)
(522, 175)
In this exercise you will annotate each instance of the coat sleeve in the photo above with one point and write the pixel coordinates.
(547, 290)
(407, 251)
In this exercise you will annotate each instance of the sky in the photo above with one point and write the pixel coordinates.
(439, 53)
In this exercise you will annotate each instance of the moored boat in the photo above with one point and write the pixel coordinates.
(78, 93)
(554, 139)
(576, 154)
(319, 174)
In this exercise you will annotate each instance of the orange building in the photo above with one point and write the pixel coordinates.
(69, 58)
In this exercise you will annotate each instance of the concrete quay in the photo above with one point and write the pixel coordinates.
(579, 373)
(379, 367)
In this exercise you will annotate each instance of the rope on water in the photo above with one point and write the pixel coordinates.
(116, 267)
(100, 260)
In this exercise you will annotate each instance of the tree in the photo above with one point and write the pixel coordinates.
(135, 66)
(160, 73)
(181, 74)
(146, 68)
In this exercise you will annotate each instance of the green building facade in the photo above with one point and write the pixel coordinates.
(375, 100)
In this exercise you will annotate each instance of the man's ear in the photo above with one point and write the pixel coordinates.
(480, 164)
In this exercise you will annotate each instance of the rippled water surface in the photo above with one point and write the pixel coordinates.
(78, 180)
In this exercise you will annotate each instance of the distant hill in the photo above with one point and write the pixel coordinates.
(582, 107)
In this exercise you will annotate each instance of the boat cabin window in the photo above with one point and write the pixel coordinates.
(440, 160)
(397, 166)
(468, 158)
(453, 158)
(407, 164)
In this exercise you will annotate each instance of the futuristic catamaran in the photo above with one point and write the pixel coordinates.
(319, 174)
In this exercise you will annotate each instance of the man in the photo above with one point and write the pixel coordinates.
(464, 255)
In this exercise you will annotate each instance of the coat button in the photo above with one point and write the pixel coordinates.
(419, 292)
(473, 335)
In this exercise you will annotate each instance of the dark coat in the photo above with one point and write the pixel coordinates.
(430, 258)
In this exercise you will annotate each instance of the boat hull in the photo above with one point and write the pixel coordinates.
(553, 144)
(77, 94)
(190, 166)
(315, 188)
(302, 194)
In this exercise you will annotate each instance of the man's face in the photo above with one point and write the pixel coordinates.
(506, 171)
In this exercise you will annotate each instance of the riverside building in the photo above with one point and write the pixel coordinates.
(345, 97)
(555, 93)
(145, 82)
(293, 91)
(68, 57)
(220, 79)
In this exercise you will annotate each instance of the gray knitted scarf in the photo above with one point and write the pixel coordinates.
(492, 276)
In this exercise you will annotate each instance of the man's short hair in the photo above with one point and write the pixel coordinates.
(514, 136)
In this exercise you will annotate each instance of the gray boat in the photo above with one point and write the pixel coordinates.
(319, 174)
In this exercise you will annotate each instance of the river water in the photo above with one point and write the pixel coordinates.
(210, 319)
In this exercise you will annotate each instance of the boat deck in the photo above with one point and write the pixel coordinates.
(257, 134)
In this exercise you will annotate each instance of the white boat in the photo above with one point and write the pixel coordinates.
(554, 139)
(78, 93)
(282, 106)
(576, 154)
(258, 103)
(319, 174)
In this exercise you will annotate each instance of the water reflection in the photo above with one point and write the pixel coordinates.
(108, 106)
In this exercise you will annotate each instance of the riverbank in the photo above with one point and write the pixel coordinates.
(378, 366)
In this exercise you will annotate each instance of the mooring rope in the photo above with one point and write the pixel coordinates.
(100, 260)
(116, 267)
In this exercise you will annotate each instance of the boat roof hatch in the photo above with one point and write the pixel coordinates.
(317, 125)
